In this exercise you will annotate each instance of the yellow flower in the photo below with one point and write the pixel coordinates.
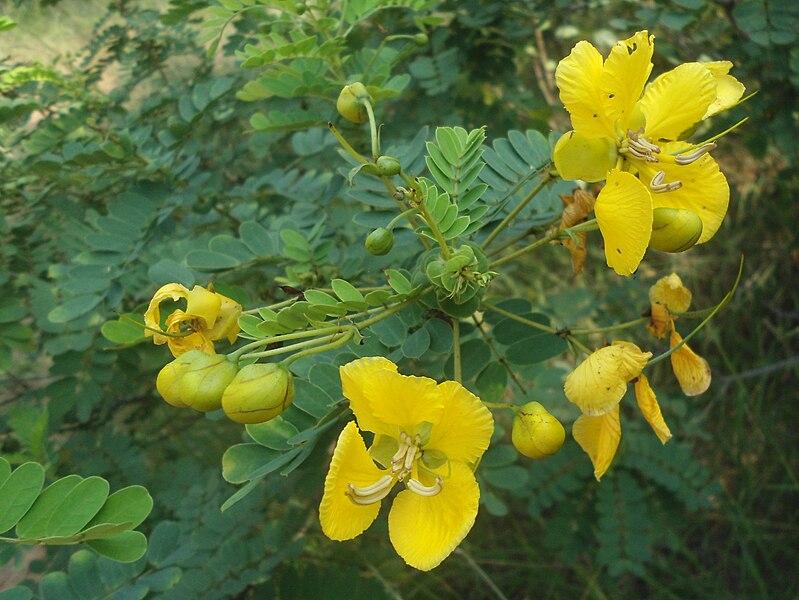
(428, 438)
(631, 138)
(667, 296)
(209, 316)
(597, 386)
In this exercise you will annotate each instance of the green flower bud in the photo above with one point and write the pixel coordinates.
(258, 393)
(387, 165)
(348, 104)
(536, 433)
(675, 229)
(196, 380)
(421, 39)
(379, 242)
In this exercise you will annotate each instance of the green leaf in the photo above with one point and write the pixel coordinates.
(241, 460)
(74, 308)
(206, 260)
(416, 344)
(512, 477)
(128, 329)
(125, 547)
(167, 270)
(346, 291)
(131, 505)
(34, 523)
(492, 382)
(256, 238)
(536, 349)
(78, 507)
(273, 434)
(18, 493)
(398, 282)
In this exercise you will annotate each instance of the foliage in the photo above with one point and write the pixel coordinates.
(196, 142)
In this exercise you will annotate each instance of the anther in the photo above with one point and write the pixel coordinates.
(425, 490)
(659, 185)
(371, 493)
(687, 159)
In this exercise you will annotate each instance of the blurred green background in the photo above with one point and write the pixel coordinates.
(111, 103)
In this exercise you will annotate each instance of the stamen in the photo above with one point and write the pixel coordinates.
(371, 493)
(687, 159)
(638, 154)
(640, 147)
(659, 185)
(425, 490)
(406, 454)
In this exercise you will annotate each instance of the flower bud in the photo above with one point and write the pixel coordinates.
(536, 433)
(258, 393)
(675, 229)
(196, 380)
(421, 39)
(348, 104)
(387, 165)
(379, 242)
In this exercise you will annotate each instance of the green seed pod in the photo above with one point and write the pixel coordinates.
(387, 166)
(258, 393)
(675, 229)
(379, 242)
(348, 104)
(536, 433)
(196, 380)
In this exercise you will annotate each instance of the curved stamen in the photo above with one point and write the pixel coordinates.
(371, 493)
(659, 185)
(425, 490)
(687, 159)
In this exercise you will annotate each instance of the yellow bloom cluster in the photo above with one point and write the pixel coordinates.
(428, 437)
(599, 383)
(632, 137)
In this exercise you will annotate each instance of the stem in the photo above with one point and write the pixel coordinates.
(579, 345)
(284, 349)
(345, 144)
(436, 231)
(522, 320)
(372, 127)
(626, 325)
(407, 213)
(374, 57)
(545, 178)
(720, 305)
(337, 343)
(500, 406)
(280, 304)
(489, 342)
(456, 350)
(559, 233)
(537, 244)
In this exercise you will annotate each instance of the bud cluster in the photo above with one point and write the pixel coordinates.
(206, 382)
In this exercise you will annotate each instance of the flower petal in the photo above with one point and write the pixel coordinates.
(354, 376)
(465, 426)
(677, 100)
(197, 340)
(667, 295)
(152, 316)
(227, 323)
(203, 304)
(648, 403)
(340, 517)
(624, 212)
(599, 438)
(691, 370)
(426, 529)
(728, 89)
(578, 156)
(578, 78)
(625, 73)
(598, 383)
(402, 402)
(704, 189)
